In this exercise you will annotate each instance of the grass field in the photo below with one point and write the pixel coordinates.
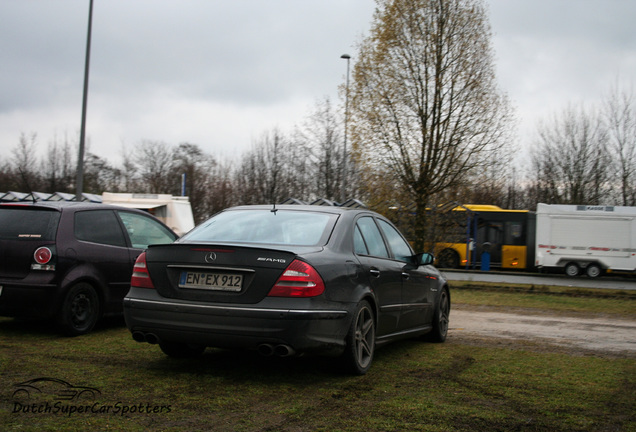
(412, 386)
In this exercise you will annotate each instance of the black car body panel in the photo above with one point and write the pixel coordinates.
(260, 268)
(317, 327)
(373, 265)
(89, 243)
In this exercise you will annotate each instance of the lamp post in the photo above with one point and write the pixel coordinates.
(344, 151)
(79, 184)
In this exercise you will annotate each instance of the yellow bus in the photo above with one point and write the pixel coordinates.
(484, 236)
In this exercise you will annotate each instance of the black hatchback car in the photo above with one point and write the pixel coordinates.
(287, 280)
(71, 261)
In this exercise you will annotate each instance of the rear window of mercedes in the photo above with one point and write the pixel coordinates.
(18, 223)
(285, 227)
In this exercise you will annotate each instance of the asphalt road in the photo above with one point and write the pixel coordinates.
(608, 282)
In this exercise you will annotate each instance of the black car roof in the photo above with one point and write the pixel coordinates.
(310, 208)
(61, 205)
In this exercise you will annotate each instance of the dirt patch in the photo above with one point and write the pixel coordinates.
(544, 331)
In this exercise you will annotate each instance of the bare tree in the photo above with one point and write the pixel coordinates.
(301, 171)
(424, 97)
(129, 171)
(571, 160)
(100, 175)
(264, 174)
(59, 166)
(221, 193)
(154, 162)
(321, 138)
(620, 119)
(197, 166)
(7, 178)
(25, 162)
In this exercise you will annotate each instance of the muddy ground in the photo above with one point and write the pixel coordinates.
(571, 333)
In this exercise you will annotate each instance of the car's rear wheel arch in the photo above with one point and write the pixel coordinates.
(448, 293)
(365, 293)
(371, 300)
(88, 274)
(97, 285)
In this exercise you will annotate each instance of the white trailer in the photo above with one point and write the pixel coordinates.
(174, 211)
(586, 239)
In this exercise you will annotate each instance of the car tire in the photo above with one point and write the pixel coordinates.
(80, 310)
(181, 350)
(360, 340)
(448, 258)
(593, 270)
(440, 319)
(572, 269)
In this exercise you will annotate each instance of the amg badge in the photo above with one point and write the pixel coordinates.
(278, 260)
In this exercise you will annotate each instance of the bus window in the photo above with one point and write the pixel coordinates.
(514, 233)
(491, 232)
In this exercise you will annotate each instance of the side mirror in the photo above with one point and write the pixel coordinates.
(425, 258)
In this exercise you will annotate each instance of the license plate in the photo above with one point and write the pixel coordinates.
(211, 281)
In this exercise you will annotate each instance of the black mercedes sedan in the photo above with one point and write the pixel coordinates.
(287, 280)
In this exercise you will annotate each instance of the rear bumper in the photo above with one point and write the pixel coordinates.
(28, 301)
(272, 321)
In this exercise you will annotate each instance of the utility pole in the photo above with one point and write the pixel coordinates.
(79, 184)
(344, 151)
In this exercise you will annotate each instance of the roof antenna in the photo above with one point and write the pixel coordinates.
(274, 209)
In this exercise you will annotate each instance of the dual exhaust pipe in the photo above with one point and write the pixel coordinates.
(266, 350)
(281, 350)
(151, 338)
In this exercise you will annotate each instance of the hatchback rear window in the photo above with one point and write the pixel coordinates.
(28, 223)
(265, 226)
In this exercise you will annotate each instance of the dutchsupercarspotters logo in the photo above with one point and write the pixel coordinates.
(53, 396)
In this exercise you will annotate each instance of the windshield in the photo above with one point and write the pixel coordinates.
(265, 226)
(28, 223)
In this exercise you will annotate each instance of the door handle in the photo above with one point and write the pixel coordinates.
(375, 273)
(406, 276)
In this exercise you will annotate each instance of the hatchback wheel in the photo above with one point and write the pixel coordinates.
(80, 310)
(360, 348)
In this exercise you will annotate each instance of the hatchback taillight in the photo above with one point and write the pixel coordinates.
(299, 280)
(140, 277)
(42, 257)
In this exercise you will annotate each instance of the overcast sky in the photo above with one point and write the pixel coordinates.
(220, 73)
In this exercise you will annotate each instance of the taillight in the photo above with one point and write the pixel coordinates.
(299, 280)
(42, 255)
(140, 277)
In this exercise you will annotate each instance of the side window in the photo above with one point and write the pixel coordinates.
(372, 237)
(99, 226)
(400, 248)
(514, 233)
(144, 231)
(358, 242)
